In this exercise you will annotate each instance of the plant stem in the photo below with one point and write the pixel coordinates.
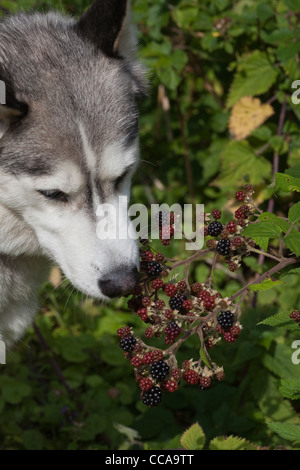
(285, 262)
(192, 258)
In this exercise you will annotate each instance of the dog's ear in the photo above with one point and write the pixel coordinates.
(107, 24)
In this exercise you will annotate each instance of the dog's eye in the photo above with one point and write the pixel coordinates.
(120, 179)
(55, 195)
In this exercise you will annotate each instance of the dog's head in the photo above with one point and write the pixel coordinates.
(69, 138)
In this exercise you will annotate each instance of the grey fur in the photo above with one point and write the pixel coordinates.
(58, 82)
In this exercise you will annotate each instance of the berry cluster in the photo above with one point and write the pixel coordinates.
(228, 240)
(173, 310)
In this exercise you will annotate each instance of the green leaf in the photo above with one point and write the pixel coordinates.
(264, 12)
(281, 319)
(13, 391)
(193, 438)
(262, 229)
(255, 76)
(293, 5)
(288, 431)
(230, 443)
(292, 241)
(286, 183)
(203, 357)
(294, 213)
(240, 164)
(265, 285)
(262, 242)
(274, 219)
(290, 388)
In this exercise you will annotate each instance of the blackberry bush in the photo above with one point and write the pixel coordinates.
(175, 309)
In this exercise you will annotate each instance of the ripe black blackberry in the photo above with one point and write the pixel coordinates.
(226, 319)
(215, 228)
(159, 370)
(127, 343)
(152, 397)
(176, 301)
(153, 268)
(223, 247)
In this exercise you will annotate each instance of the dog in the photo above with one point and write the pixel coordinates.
(68, 145)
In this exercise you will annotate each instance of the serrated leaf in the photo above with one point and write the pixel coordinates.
(230, 443)
(265, 285)
(294, 213)
(286, 183)
(246, 115)
(274, 219)
(240, 164)
(290, 388)
(281, 319)
(255, 76)
(193, 438)
(262, 242)
(288, 431)
(292, 241)
(262, 229)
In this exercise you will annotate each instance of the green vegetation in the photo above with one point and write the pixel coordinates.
(67, 384)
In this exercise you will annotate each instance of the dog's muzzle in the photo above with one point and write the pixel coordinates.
(119, 282)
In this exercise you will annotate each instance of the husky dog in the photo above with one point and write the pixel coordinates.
(68, 144)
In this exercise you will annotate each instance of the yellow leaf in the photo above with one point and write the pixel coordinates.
(246, 115)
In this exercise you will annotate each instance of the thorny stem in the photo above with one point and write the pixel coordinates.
(197, 255)
(285, 262)
(242, 292)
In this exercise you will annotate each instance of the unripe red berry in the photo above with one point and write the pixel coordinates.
(157, 284)
(149, 332)
(170, 289)
(146, 301)
(217, 214)
(171, 385)
(231, 227)
(136, 361)
(229, 337)
(159, 304)
(124, 331)
(240, 195)
(147, 255)
(205, 382)
(145, 383)
(191, 377)
(181, 286)
(187, 304)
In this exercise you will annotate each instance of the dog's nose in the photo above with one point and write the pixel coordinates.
(119, 282)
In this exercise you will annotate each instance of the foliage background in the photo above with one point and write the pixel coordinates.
(203, 56)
